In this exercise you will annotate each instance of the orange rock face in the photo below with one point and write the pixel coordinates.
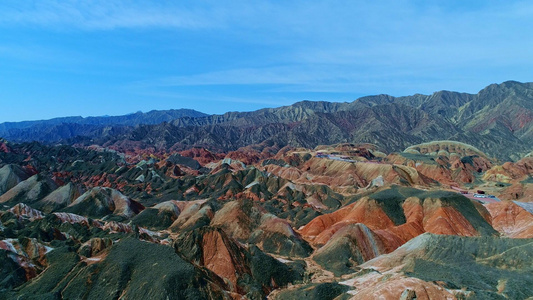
(217, 257)
(511, 220)
(365, 211)
(518, 175)
(430, 215)
(441, 219)
(510, 171)
(344, 174)
(448, 170)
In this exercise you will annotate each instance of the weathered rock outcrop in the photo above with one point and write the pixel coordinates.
(22, 259)
(10, 176)
(158, 217)
(194, 214)
(124, 273)
(440, 266)
(100, 202)
(383, 221)
(29, 191)
(247, 222)
(349, 247)
(511, 220)
(247, 270)
(59, 199)
(23, 211)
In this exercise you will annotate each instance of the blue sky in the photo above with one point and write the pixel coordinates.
(68, 58)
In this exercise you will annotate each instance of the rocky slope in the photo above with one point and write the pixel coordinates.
(439, 219)
(448, 267)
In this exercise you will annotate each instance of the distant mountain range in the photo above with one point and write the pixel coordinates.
(498, 120)
(58, 129)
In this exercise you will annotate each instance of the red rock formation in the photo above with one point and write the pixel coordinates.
(30, 170)
(511, 220)
(73, 218)
(219, 259)
(365, 211)
(191, 190)
(442, 219)
(445, 168)
(202, 155)
(115, 227)
(360, 150)
(24, 211)
(247, 156)
(517, 174)
(344, 175)
(430, 215)
(518, 191)
(510, 171)
(4, 147)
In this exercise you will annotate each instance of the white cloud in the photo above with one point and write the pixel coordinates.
(314, 46)
(106, 15)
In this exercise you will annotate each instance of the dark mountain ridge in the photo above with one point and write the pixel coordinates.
(66, 127)
(497, 120)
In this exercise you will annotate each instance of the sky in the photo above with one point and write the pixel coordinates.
(93, 58)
